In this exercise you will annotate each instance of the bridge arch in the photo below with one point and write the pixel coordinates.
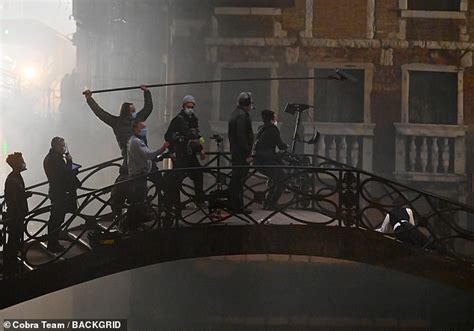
(167, 245)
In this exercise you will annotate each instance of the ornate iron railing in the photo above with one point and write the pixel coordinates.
(319, 191)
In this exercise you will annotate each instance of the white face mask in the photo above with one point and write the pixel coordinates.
(275, 123)
(188, 111)
(134, 115)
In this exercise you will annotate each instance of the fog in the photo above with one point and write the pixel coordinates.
(40, 91)
(36, 52)
(47, 63)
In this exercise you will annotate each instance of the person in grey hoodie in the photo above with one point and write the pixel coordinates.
(122, 128)
(140, 164)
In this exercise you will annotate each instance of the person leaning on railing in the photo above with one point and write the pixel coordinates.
(17, 208)
(401, 222)
(140, 163)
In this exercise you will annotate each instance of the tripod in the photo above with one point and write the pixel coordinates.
(220, 150)
(220, 198)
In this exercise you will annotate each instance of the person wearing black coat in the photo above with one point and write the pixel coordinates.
(63, 184)
(240, 136)
(17, 208)
(268, 138)
(185, 143)
(122, 124)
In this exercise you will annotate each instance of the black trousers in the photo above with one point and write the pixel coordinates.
(411, 235)
(157, 178)
(137, 196)
(12, 247)
(173, 182)
(56, 218)
(237, 182)
(277, 175)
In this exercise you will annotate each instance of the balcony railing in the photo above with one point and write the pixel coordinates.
(430, 152)
(347, 143)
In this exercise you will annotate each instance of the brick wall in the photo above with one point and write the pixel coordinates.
(293, 18)
(433, 29)
(386, 18)
(340, 19)
(470, 19)
(245, 26)
(419, 55)
(385, 110)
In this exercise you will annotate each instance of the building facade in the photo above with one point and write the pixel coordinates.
(406, 114)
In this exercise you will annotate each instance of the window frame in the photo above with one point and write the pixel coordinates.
(368, 81)
(406, 68)
(437, 14)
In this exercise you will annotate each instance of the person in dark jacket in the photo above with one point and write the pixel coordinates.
(63, 184)
(185, 143)
(240, 135)
(268, 138)
(122, 124)
(122, 127)
(17, 208)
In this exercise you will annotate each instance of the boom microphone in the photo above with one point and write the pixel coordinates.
(342, 75)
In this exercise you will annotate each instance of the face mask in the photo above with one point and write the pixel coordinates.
(188, 111)
(143, 132)
(133, 115)
(23, 167)
(275, 123)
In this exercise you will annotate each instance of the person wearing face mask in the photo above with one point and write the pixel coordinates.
(63, 184)
(17, 208)
(122, 128)
(140, 163)
(122, 124)
(185, 143)
(268, 138)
